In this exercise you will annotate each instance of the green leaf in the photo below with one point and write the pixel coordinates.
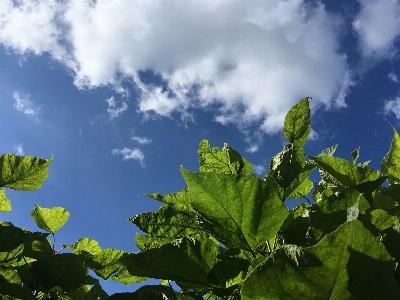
(287, 165)
(50, 219)
(239, 210)
(5, 203)
(382, 220)
(329, 151)
(227, 161)
(297, 128)
(126, 278)
(179, 200)
(85, 293)
(87, 245)
(16, 243)
(25, 173)
(63, 270)
(11, 285)
(146, 242)
(390, 165)
(342, 201)
(229, 271)
(348, 263)
(344, 172)
(154, 292)
(169, 223)
(185, 260)
(105, 263)
(355, 155)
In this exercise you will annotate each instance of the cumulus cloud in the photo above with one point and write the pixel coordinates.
(378, 27)
(246, 61)
(130, 154)
(23, 104)
(113, 110)
(393, 105)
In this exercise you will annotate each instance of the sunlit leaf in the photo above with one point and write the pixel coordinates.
(241, 210)
(390, 165)
(227, 161)
(381, 219)
(50, 219)
(297, 128)
(168, 223)
(179, 200)
(25, 173)
(5, 203)
(343, 171)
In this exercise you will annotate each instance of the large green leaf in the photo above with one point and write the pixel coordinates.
(241, 210)
(344, 172)
(50, 219)
(227, 161)
(297, 128)
(5, 203)
(390, 165)
(185, 260)
(25, 173)
(350, 263)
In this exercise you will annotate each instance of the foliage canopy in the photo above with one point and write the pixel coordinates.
(228, 234)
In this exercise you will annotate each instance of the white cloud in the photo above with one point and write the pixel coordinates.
(378, 26)
(393, 105)
(141, 140)
(130, 154)
(393, 77)
(23, 104)
(113, 110)
(33, 26)
(248, 61)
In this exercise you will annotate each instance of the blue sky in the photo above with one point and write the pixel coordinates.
(121, 93)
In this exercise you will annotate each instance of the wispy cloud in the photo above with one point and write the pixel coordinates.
(250, 64)
(393, 105)
(23, 104)
(141, 140)
(259, 170)
(19, 150)
(130, 154)
(378, 27)
(114, 111)
(393, 77)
